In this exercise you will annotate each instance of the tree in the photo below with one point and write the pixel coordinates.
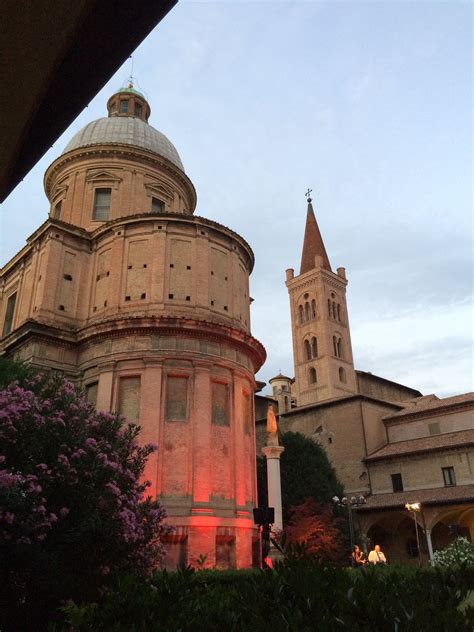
(317, 530)
(305, 473)
(72, 510)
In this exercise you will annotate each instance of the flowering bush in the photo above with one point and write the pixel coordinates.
(460, 551)
(72, 508)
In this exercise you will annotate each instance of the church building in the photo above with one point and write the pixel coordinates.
(147, 307)
(387, 442)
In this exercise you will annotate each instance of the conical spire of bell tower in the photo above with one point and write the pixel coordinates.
(313, 244)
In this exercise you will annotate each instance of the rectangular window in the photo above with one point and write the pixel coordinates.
(157, 206)
(176, 399)
(8, 322)
(124, 107)
(129, 398)
(138, 109)
(448, 476)
(91, 392)
(176, 551)
(225, 551)
(220, 404)
(101, 204)
(433, 428)
(57, 210)
(397, 483)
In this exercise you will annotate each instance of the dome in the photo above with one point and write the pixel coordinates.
(125, 130)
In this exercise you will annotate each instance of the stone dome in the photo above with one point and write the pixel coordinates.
(125, 130)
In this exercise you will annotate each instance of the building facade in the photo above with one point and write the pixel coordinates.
(147, 306)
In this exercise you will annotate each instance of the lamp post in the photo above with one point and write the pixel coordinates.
(414, 508)
(351, 503)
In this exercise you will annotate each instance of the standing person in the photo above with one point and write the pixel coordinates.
(376, 556)
(358, 558)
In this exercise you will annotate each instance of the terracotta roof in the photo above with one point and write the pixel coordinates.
(437, 496)
(313, 244)
(432, 403)
(461, 438)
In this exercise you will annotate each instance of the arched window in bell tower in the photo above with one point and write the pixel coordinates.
(339, 348)
(313, 308)
(301, 314)
(314, 347)
(307, 350)
(312, 375)
(338, 312)
(307, 311)
(329, 308)
(334, 345)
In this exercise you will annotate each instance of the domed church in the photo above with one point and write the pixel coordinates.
(147, 307)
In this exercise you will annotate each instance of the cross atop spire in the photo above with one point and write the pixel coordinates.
(313, 244)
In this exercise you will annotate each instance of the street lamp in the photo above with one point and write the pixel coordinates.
(351, 503)
(415, 508)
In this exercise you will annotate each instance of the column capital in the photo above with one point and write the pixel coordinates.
(273, 451)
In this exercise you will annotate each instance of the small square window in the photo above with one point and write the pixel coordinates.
(129, 267)
(448, 476)
(188, 267)
(212, 302)
(170, 295)
(144, 265)
(62, 308)
(143, 295)
(188, 298)
(171, 265)
(226, 308)
(127, 298)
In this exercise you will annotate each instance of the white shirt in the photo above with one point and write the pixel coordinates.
(376, 558)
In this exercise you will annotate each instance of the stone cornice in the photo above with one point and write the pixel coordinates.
(129, 326)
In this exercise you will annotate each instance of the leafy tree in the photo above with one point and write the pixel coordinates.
(72, 510)
(317, 530)
(305, 473)
(11, 370)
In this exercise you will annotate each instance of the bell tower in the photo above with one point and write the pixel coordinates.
(322, 350)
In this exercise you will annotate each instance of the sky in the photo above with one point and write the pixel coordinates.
(369, 104)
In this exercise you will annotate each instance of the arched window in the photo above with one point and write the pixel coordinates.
(314, 347)
(333, 309)
(306, 311)
(286, 403)
(313, 308)
(334, 344)
(342, 375)
(329, 308)
(307, 350)
(338, 312)
(312, 375)
(339, 349)
(301, 313)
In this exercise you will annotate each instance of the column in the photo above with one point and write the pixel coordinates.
(273, 454)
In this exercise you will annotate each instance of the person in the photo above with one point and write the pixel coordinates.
(358, 558)
(376, 556)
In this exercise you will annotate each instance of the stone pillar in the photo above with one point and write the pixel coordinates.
(430, 545)
(273, 454)
(104, 388)
(202, 434)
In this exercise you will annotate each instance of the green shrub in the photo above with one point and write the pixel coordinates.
(298, 596)
(461, 551)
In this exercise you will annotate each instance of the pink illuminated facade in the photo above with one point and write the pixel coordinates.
(148, 307)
